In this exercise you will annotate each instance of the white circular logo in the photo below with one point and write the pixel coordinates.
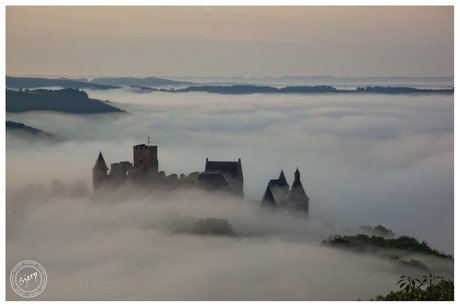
(28, 278)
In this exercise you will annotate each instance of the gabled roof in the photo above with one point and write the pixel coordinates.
(280, 182)
(273, 182)
(100, 164)
(268, 200)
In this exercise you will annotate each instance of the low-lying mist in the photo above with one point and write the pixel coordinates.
(363, 159)
(123, 246)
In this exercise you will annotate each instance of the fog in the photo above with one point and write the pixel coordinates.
(363, 159)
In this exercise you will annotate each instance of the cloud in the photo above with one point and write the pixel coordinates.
(118, 247)
(364, 160)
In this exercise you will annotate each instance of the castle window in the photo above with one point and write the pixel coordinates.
(141, 161)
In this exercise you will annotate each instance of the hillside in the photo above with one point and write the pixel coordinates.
(243, 87)
(17, 83)
(317, 89)
(66, 100)
(146, 82)
(406, 252)
(425, 82)
(19, 129)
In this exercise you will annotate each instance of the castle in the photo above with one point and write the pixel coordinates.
(218, 176)
(278, 194)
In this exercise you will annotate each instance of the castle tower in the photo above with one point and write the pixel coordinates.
(99, 172)
(297, 198)
(232, 172)
(146, 158)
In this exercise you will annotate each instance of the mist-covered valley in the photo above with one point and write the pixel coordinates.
(364, 160)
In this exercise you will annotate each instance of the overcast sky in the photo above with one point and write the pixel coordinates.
(230, 41)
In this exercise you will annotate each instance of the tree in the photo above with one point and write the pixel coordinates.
(378, 231)
(412, 244)
(412, 289)
(372, 242)
(213, 226)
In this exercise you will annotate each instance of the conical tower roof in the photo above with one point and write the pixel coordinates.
(297, 178)
(282, 180)
(297, 193)
(100, 164)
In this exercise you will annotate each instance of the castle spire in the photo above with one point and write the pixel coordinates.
(99, 172)
(100, 163)
(297, 198)
(297, 178)
(282, 180)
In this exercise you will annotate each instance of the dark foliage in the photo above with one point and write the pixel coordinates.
(379, 231)
(15, 82)
(139, 82)
(14, 127)
(412, 264)
(400, 90)
(362, 242)
(412, 289)
(66, 100)
(390, 248)
(213, 226)
(209, 226)
(146, 84)
(257, 89)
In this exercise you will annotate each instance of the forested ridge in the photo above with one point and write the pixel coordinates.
(66, 100)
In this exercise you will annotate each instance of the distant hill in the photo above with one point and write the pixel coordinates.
(31, 133)
(146, 82)
(257, 89)
(400, 90)
(23, 83)
(425, 82)
(66, 100)
(313, 84)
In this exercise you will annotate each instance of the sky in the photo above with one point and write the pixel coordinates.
(230, 41)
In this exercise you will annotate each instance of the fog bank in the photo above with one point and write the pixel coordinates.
(121, 247)
(363, 159)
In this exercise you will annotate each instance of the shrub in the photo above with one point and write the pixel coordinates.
(213, 226)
